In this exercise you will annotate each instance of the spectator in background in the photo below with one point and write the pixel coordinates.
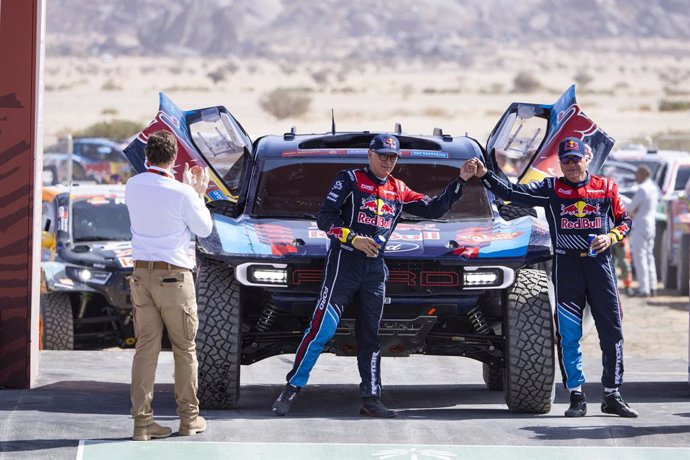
(643, 209)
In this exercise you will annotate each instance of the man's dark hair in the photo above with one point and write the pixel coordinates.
(161, 148)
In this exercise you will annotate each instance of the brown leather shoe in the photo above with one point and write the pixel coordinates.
(154, 430)
(193, 426)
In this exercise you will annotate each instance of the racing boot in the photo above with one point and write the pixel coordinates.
(190, 427)
(578, 405)
(373, 407)
(613, 404)
(150, 431)
(282, 405)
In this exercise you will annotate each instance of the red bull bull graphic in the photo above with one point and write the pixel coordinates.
(580, 210)
(337, 233)
(380, 209)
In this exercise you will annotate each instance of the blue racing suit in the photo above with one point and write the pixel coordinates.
(574, 211)
(359, 203)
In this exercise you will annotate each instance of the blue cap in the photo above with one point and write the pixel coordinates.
(385, 143)
(571, 146)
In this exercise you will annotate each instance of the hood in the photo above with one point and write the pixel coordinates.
(521, 240)
(113, 255)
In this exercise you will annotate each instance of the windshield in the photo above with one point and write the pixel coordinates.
(682, 179)
(100, 218)
(291, 189)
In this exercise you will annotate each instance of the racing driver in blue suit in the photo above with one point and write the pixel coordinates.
(359, 214)
(579, 205)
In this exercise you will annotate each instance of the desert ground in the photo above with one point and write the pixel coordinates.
(619, 88)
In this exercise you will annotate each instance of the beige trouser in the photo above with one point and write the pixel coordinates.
(164, 297)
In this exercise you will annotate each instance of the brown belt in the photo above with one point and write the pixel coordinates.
(153, 265)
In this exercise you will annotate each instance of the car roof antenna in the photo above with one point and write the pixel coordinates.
(398, 128)
(332, 122)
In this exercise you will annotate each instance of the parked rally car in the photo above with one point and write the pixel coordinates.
(671, 171)
(470, 284)
(94, 159)
(86, 256)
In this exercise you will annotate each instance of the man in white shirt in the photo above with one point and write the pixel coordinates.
(164, 214)
(643, 208)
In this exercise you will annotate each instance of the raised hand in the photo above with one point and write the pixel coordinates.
(468, 170)
(197, 177)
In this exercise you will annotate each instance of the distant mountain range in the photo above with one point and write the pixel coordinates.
(358, 29)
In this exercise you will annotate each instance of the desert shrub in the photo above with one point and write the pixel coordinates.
(217, 75)
(109, 111)
(285, 102)
(113, 129)
(583, 78)
(524, 82)
(320, 76)
(110, 85)
(666, 105)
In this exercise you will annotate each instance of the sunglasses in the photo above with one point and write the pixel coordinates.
(387, 157)
(570, 159)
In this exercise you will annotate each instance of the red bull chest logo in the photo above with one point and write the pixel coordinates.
(382, 213)
(580, 210)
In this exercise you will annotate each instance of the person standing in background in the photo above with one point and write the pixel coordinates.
(164, 214)
(643, 209)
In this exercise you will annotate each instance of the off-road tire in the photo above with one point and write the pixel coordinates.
(528, 326)
(683, 283)
(493, 377)
(512, 212)
(58, 321)
(218, 337)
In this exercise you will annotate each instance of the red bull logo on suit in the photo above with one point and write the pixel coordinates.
(580, 210)
(380, 209)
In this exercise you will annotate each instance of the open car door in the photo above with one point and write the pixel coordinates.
(524, 144)
(209, 137)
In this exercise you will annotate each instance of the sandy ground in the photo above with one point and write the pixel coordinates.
(623, 95)
(653, 328)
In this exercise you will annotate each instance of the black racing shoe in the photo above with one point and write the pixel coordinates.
(373, 407)
(282, 405)
(613, 404)
(578, 405)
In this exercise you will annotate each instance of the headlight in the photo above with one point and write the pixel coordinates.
(487, 277)
(87, 275)
(268, 275)
(252, 274)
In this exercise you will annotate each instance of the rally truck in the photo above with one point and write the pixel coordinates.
(472, 284)
(85, 259)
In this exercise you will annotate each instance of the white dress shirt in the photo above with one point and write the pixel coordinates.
(164, 213)
(643, 206)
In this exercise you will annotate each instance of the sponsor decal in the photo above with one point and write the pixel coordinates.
(126, 262)
(378, 221)
(401, 247)
(571, 146)
(428, 154)
(595, 191)
(564, 191)
(337, 233)
(338, 185)
(324, 298)
(481, 236)
(580, 223)
(580, 210)
(377, 206)
(367, 187)
(332, 196)
(217, 195)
